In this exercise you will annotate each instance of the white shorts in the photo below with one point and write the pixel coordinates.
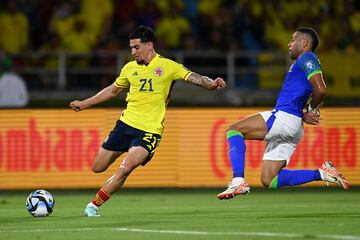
(284, 133)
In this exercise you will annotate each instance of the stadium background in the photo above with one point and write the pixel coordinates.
(65, 50)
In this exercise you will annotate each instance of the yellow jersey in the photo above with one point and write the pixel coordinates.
(149, 89)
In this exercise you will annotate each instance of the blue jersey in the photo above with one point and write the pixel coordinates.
(297, 89)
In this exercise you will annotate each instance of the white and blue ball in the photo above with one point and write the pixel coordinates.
(40, 203)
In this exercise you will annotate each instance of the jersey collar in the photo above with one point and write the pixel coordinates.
(152, 60)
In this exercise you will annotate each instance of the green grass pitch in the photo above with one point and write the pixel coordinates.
(293, 213)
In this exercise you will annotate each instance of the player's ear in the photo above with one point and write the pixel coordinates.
(306, 43)
(150, 45)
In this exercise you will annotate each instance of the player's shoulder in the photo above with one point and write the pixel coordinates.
(173, 64)
(167, 64)
(309, 62)
(308, 56)
(129, 66)
(165, 60)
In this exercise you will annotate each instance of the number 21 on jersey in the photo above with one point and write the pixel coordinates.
(146, 85)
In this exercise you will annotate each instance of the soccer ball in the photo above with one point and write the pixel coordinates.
(40, 203)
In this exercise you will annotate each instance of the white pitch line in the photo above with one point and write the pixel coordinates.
(184, 232)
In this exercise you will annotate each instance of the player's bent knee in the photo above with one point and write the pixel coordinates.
(266, 181)
(265, 184)
(232, 127)
(97, 169)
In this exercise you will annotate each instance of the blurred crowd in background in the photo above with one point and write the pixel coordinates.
(90, 25)
(33, 33)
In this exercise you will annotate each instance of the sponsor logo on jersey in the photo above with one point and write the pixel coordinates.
(135, 73)
(158, 71)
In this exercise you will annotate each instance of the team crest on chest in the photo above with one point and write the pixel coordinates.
(158, 71)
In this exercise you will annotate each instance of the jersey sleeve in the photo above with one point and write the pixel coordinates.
(122, 81)
(180, 72)
(310, 64)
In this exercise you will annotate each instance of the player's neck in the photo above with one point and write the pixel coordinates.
(305, 51)
(150, 57)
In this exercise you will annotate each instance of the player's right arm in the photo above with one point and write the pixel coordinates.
(102, 96)
(180, 72)
(206, 82)
(311, 118)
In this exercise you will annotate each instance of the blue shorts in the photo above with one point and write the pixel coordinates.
(123, 137)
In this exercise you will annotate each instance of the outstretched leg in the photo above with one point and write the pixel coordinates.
(135, 157)
(286, 177)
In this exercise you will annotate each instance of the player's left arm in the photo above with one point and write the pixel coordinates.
(312, 116)
(206, 82)
(102, 96)
(319, 90)
(311, 66)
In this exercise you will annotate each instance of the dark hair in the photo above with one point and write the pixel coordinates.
(146, 34)
(313, 34)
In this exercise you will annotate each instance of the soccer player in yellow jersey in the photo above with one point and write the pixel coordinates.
(149, 79)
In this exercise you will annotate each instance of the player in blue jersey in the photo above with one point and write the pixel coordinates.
(282, 128)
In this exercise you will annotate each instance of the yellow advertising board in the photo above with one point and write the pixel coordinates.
(341, 74)
(55, 148)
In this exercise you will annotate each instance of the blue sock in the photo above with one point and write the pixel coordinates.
(294, 177)
(237, 152)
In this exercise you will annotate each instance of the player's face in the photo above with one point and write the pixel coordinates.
(296, 45)
(140, 50)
